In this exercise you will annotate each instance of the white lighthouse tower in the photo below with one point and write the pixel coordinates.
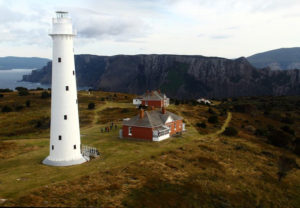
(65, 132)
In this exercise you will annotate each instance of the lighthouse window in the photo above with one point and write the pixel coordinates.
(76, 101)
(59, 137)
(73, 72)
(75, 146)
(65, 117)
(59, 60)
(52, 147)
(67, 88)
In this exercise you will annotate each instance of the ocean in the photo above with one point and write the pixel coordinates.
(11, 79)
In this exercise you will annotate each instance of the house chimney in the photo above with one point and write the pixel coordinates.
(141, 113)
(163, 110)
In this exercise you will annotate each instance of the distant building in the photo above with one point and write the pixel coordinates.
(154, 125)
(204, 101)
(152, 99)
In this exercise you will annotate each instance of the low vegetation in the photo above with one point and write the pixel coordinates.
(248, 158)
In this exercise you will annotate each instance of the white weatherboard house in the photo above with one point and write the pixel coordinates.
(65, 132)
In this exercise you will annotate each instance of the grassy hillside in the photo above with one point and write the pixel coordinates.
(201, 168)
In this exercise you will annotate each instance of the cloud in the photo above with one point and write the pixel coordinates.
(220, 36)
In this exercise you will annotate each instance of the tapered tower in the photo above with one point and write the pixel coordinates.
(64, 132)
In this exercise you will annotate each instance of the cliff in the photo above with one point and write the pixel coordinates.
(177, 75)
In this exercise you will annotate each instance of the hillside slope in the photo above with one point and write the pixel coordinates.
(12, 62)
(283, 58)
(179, 76)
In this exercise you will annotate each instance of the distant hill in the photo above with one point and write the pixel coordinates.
(283, 58)
(179, 76)
(12, 62)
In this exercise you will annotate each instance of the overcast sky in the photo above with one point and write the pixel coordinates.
(225, 28)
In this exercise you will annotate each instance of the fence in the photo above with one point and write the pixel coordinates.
(89, 151)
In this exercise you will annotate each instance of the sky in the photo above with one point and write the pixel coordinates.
(224, 28)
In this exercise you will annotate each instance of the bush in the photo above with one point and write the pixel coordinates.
(102, 99)
(213, 119)
(202, 125)
(5, 90)
(279, 138)
(261, 132)
(19, 107)
(1, 95)
(91, 106)
(23, 93)
(230, 131)
(124, 110)
(21, 89)
(288, 130)
(211, 111)
(287, 120)
(6, 109)
(28, 103)
(45, 95)
(177, 102)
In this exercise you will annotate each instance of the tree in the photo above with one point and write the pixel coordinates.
(1, 95)
(91, 106)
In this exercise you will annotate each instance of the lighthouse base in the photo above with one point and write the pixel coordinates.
(50, 162)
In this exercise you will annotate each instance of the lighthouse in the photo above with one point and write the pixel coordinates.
(64, 130)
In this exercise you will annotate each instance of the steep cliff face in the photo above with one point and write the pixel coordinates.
(178, 76)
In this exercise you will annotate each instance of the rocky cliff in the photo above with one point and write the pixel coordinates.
(177, 75)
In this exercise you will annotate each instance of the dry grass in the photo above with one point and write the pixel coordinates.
(195, 170)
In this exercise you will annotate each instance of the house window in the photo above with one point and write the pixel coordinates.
(65, 117)
(59, 137)
(73, 72)
(175, 126)
(59, 60)
(52, 147)
(146, 103)
(74, 146)
(67, 88)
(129, 131)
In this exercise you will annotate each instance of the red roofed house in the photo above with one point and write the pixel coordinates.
(153, 98)
(154, 125)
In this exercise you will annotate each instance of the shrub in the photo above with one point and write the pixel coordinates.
(287, 120)
(102, 99)
(21, 89)
(285, 164)
(124, 110)
(1, 95)
(230, 131)
(213, 119)
(202, 125)
(261, 132)
(211, 111)
(28, 103)
(177, 102)
(279, 138)
(288, 130)
(6, 109)
(23, 93)
(91, 106)
(19, 107)
(45, 95)
(5, 90)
